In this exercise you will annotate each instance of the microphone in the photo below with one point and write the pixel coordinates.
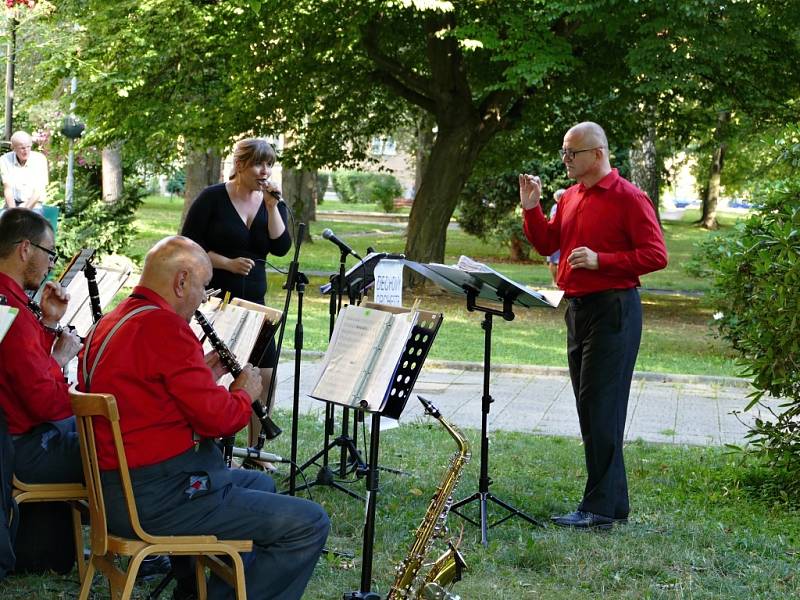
(274, 193)
(331, 237)
(258, 455)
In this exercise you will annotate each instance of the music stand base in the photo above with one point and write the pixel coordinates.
(483, 498)
(361, 596)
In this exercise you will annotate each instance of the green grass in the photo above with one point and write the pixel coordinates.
(694, 533)
(331, 204)
(677, 337)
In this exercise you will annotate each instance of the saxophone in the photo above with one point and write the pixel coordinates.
(447, 569)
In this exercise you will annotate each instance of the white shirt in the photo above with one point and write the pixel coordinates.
(25, 179)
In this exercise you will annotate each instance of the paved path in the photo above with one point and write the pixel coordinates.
(674, 409)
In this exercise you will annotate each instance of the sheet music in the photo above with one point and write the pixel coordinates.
(493, 286)
(388, 359)
(238, 327)
(79, 310)
(352, 342)
(7, 316)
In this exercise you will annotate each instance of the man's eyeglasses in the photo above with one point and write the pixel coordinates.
(570, 154)
(52, 254)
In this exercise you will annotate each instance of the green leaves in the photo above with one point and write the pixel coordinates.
(757, 276)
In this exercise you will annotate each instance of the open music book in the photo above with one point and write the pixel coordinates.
(491, 285)
(7, 316)
(109, 277)
(364, 355)
(245, 327)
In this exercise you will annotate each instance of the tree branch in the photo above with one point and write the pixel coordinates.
(404, 81)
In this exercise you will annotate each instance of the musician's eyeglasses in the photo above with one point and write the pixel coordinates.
(51, 254)
(570, 154)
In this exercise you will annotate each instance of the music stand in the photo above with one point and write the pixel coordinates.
(409, 366)
(493, 287)
(356, 281)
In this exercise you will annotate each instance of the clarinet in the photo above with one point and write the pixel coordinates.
(94, 293)
(271, 430)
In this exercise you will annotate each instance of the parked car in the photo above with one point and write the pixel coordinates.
(685, 203)
(739, 203)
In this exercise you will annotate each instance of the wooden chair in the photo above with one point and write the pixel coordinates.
(74, 493)
(106, 547)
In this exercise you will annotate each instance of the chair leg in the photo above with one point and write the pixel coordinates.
(86, 582)
(200, 577)
(130, 574)
(238, 567)
(77, 534)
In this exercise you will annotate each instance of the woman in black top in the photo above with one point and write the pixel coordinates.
(238, 223)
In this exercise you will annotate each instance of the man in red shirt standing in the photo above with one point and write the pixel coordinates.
(607, 230)
(145, 353)
(33, 392)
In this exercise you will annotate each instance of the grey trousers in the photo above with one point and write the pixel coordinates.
(195, 493)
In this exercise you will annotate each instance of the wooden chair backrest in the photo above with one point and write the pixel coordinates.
(87, 407)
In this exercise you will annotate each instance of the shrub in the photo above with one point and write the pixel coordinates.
(177, 183)
(323, 177)
(93, 223)
(756, 271)
(383, 188)
(359, 186)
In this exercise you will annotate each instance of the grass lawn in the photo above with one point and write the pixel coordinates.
(693, 533)
(694, 530)
(677, 337)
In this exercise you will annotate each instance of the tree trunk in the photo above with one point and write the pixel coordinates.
(425, 139)
(646, 168)
(518, 249)
(452, 160)
(711, 198)
(203, 168)
(299, 189)
(112, 172)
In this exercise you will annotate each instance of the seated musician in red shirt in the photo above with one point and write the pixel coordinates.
(145, 353)
(33, 392)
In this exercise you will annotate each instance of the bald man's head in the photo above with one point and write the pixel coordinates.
(586, 153)
(178, 269)
(591, 134)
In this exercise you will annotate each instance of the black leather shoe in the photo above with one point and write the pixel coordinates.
(154, 566)
(581, 519)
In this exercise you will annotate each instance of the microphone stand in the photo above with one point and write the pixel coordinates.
(295, 279)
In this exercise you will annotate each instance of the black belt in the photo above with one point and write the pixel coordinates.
(578, 301)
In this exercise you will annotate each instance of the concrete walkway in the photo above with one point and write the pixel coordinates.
(677, 409)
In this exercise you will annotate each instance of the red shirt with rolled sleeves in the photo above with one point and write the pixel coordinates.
(613, 218)
(154, 367)
(32, 386)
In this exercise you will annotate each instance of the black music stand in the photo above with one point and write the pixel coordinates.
(354, 283)
(403, 379)
(493, 287)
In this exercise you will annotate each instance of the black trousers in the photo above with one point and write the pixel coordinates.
(603, 334)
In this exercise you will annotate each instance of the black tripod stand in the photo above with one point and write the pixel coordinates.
(350, 458)
(483, 495)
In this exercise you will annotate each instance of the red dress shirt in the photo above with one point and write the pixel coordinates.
(165, 393)
(613, 218)
(32, 386)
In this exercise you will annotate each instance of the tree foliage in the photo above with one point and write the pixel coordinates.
(161, 73)
(756, 273)
(488, 207)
